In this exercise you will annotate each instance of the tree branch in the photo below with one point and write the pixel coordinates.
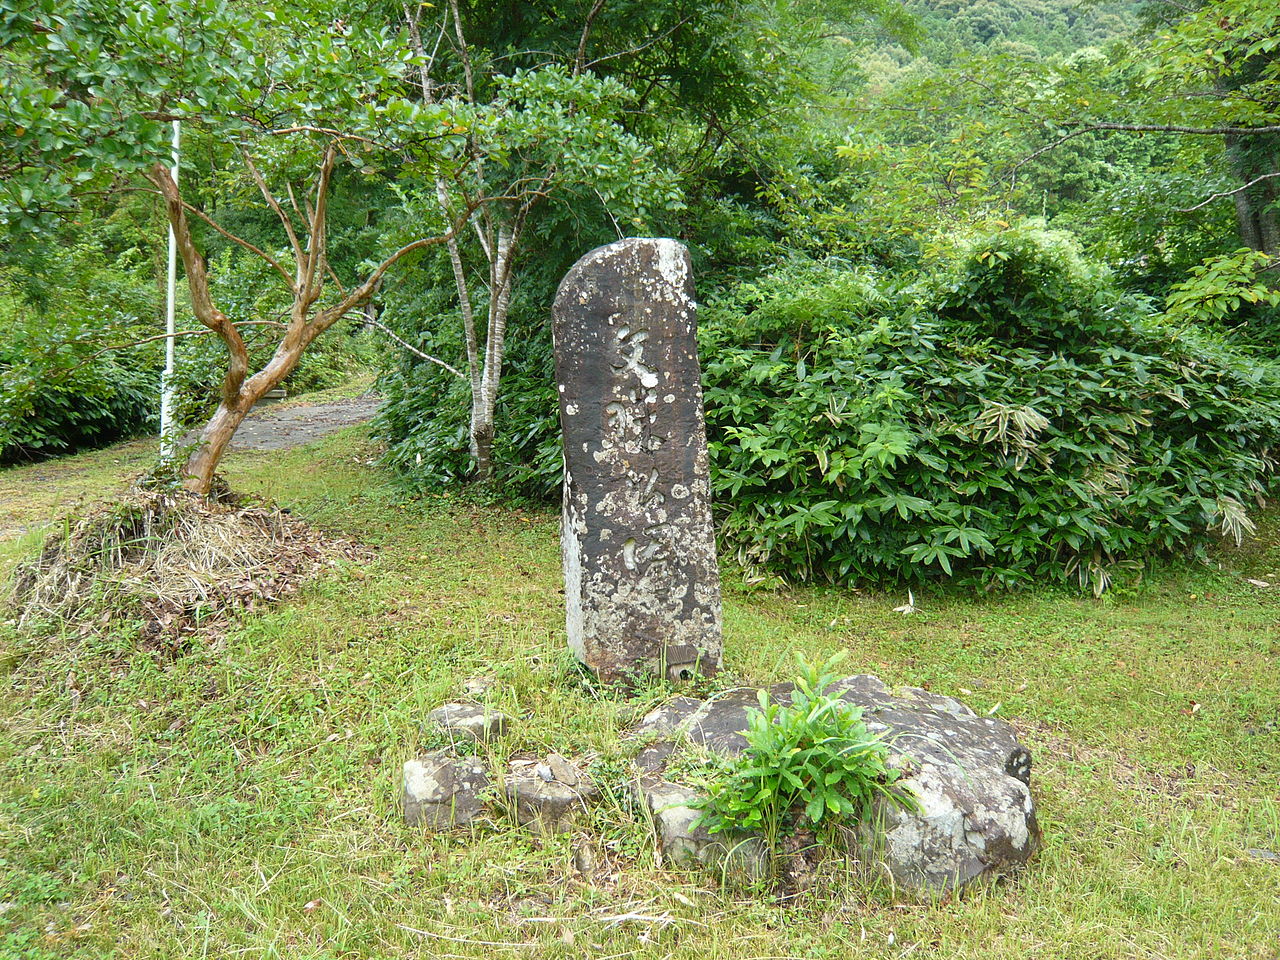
(159, 336)
(644, 46)
(198, 284)
(1145, 128)
(1230, 193)
(463, 52)
(1198, 131)
(317, 246)
(1052, 146)
(129, 346)
(241, 241)
(328, 317)
(581, 55)
(271, 201)
(414, 350)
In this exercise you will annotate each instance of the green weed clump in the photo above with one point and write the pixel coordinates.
(812, 761)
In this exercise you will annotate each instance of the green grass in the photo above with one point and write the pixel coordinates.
(241, 801)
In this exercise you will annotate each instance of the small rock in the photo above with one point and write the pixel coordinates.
(564, 771)
(443, 790)
(1261, 854)
(584, 857)
(479, 686)
(547, 806)
(544, 773)
(470, 719)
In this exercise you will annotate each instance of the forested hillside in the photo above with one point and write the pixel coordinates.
(956, 29)
(945, 248)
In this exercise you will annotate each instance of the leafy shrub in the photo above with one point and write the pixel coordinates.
(810, 760)
(1231, 292)
(1010, 418)
(59, 391)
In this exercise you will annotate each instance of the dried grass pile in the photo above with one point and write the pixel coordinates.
(177, 563)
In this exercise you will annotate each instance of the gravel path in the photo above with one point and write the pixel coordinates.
(30, 493)
(280, 428)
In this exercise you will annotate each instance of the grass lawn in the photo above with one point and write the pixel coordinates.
(242, 800)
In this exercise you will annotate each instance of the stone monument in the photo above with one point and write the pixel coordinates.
(642, 588)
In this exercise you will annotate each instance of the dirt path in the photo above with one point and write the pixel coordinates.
(33, 493)
(284, 427)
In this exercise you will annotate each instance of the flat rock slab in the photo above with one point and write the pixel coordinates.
(970, 775)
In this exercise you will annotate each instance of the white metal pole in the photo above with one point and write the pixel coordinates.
(166, 382)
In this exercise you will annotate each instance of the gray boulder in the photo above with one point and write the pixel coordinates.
(442, 790)
(683, 841)
(970, 775)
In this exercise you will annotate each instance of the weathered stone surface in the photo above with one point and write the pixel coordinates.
(564, 771)
(642, 588)
(470, 720)
(537, 798)
(683, 844)
(971, 775)
(443, 790)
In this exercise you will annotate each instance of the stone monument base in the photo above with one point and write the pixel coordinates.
(970, 774)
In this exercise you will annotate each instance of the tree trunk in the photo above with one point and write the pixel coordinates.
(482, 447)
(1257, 216)
(214, 438)
(203, 461)
(484, 395)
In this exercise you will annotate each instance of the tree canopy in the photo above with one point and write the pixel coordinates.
(404, 185)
